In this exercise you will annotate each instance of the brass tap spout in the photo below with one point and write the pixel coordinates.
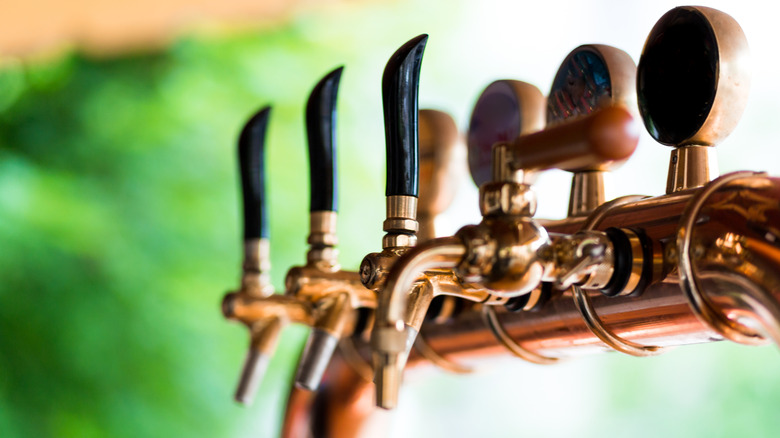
(333, 294)
(402, 305)
(265, 319)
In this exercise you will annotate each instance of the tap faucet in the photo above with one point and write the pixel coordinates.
(508, 254)
(334, 294)
(254, 304)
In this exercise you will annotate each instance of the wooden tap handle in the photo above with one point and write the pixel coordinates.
(599, 141)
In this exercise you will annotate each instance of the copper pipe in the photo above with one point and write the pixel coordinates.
(661, 315)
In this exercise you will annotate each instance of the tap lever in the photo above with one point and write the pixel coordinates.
(256, 266)
(400, 83)
(321, 134)
(598, 140)
(251, 146)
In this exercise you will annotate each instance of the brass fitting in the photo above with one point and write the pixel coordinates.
(401, 223)
(509, 193)
(505, 254)
(322, 240)
(587, 192)
(333, 294)
(573, 263)
(249, 310)
(417, 277)
(506, 198)
(265, 317)
(313, 284)
(256, 268)
(375, 267)
(691, 166)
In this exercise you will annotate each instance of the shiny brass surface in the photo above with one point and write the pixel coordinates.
(402, 306)
(313, 284)
(596, 326)
(504, 254)
(256, 267)
(571, 261)
(587, 192)
(249, 310)
(265, 317)
(265, 314)
(660, 315)
(334, 296)
(713, 247)
(322, 240)
(322, 226)
(694, 163)
(690, 167)
(506, 198)
(733, 250)
(657, 217)
(401, 214)
(734, 79)
(637, 264)
(375, 267)
(401, 222)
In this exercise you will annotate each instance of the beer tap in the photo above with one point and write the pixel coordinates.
(336, 295)
(255, 304)
(333, 294)
(693, 85)
(591, 77)
(400, 84)
(509, 254)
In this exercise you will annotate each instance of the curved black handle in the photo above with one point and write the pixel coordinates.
(400, 83)
(321, 132)
(251, 146)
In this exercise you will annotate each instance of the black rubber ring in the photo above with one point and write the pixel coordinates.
(623, 257)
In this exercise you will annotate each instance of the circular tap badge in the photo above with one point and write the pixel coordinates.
(504, 111)
(581, 86)
(692, 83)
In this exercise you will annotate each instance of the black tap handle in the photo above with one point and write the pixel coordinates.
(321, 132)
(251, 145)
(400, 83)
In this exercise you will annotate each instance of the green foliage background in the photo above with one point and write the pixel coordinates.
(119, 234)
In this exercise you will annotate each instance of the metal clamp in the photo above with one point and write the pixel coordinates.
(585, 306)
(425, 350)
(491, 319)
(700, 305)
(594, 324)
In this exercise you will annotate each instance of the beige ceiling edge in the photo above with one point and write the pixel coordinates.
(32, 28)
